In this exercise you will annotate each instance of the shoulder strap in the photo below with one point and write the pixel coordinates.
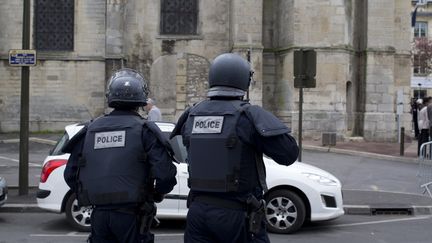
(161, 138)
(181, 121)
(258, 160)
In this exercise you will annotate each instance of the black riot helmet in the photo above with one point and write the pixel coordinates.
(127, 89)
(229, 75)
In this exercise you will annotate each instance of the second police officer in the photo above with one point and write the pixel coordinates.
(226, 138)
(120, 164)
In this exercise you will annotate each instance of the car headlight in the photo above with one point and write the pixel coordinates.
(323, 180)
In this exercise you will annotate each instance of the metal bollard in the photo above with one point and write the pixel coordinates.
(402, 141)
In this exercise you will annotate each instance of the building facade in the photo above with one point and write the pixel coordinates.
(363, 58)
(421, 81)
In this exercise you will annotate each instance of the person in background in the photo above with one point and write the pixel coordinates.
(423, 124)
(153, 112)
(414, 113)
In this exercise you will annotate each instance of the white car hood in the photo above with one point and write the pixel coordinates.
(298, 168)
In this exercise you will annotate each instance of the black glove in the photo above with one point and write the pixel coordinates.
(157, 197)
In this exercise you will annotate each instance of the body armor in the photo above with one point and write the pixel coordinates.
(113, 168)
(218, 160)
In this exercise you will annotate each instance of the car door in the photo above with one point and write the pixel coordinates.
(170, 205)
(183, 174)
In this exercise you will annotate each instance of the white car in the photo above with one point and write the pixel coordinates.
(296, 193)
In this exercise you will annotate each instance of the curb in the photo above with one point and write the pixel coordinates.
(44, 141)
(21, 208)
(32, 139)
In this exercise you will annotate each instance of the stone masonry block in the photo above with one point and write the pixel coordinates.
(181, 80)
(181, 89)
(181, 97)
(181, 67)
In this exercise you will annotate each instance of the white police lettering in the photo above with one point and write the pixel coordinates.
(110, 139)
(207, 124)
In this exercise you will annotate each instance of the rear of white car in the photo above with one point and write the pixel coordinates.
(52, 186)
(55, 195)
(296, 193)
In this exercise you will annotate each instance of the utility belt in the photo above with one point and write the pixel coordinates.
(255, 209)
(221, 202)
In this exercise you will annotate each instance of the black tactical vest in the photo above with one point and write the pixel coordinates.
(114, 170)
(218, 160)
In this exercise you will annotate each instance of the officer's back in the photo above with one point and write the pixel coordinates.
(226, 138)
(121, 165)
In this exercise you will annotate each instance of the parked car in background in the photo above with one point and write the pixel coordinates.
(3, 191)
(297, 193)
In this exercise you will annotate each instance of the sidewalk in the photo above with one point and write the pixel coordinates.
(357, 146)
(355, 201)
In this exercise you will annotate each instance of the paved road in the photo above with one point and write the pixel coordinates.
(9, 161)
(362, 173)
(50, 227)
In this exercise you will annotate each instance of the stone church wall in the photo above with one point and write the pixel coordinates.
(362, 54)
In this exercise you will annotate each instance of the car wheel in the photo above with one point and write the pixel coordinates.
(285, 212)
(78, 217)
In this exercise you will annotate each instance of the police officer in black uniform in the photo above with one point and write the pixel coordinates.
(226, 138)
(120, 164)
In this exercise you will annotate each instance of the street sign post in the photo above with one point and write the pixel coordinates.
(304, 69)
(22, 58)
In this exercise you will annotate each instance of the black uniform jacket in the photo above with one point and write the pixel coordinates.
(162, 168)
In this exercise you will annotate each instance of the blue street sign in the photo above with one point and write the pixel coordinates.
(22, 57)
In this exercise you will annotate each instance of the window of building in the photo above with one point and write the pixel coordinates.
(419, 70)
(420, 93)
(179, 17)
(420, 29)
(54, 25)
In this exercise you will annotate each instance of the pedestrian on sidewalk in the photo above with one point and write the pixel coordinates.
(423, 123)
(415, 104)
(153, 112)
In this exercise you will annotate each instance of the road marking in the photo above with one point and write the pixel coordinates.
(71, 234)
(374, 188)
(17, 161)
(169, 235)
(6, 158)
(77, 234)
